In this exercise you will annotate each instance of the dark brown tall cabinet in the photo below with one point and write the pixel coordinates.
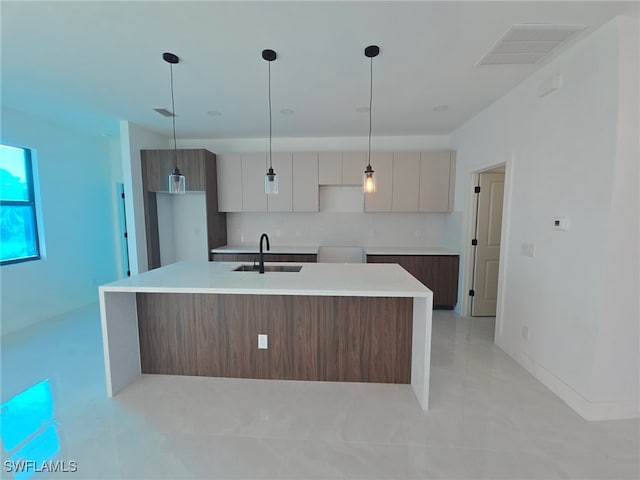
(199, 168)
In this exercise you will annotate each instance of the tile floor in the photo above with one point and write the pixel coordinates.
(488, 419)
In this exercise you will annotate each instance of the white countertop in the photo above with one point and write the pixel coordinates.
(409, 251)
(324, 279)
(313, 250)
(304, 250)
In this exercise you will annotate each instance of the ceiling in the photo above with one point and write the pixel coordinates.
(94, 63)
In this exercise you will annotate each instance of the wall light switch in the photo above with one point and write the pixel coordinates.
(528, 249)
(263, 341)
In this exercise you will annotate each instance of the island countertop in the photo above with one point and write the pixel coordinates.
(323, 279)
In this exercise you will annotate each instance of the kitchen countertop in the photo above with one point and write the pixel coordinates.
(325, 279)
(409, 251)
(304, 250)
(313, 250)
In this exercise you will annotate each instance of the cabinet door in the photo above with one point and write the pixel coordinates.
(435, 182)
(157, 164)
(353, 165)
(283, 201)
(406, 181)
(330, 168)
(380, 201)
(229, 167)
(305, 182)
(254, 168)
(192, 165)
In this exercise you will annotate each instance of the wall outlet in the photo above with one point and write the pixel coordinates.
(525, 332)
(263, 341)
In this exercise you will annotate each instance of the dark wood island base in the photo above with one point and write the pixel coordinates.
(322, 338)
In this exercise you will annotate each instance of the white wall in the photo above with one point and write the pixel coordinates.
(134, 138)
(182, 227)
(338, 229)
(618, 331)
(561, 153)
(76, 200)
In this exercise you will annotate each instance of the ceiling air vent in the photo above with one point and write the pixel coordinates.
(164, 112)
(528, 44)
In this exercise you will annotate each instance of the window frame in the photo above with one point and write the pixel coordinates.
(31, 202)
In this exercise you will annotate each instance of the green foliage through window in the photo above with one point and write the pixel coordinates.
(18, 224)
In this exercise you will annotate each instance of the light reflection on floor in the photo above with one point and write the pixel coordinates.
(29, 429)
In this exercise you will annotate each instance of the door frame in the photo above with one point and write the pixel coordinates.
(468, 267)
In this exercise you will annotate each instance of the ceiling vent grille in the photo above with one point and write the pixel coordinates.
(164, 112)
(527, 44)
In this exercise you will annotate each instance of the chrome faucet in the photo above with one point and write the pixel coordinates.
(263, 237)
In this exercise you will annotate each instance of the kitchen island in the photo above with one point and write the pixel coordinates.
(327, 322)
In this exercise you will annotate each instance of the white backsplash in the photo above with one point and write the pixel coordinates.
(338, 229)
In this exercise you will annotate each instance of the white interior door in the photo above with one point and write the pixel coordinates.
(488, 249)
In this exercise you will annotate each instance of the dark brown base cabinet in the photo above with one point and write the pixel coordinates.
(268, 257)
(320, 338)
(438, 272)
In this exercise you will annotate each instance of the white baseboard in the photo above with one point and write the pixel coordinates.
(588, 410)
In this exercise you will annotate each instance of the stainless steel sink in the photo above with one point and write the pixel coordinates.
(268, 268)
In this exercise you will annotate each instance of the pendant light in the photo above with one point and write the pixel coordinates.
(270, 179)
(177, 182)
(368, 179)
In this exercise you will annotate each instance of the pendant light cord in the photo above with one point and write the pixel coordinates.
(269, 64)
(370, 102)
(173, 118)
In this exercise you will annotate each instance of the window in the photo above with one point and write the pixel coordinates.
(18, 226)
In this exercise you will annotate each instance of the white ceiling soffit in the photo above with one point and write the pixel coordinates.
(528, 44)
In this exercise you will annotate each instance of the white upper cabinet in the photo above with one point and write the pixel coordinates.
(406, 181)
(254, 168)
(229, 166)
(330, 168)
(282, 166)
(353, 165)
(437, 175)
(305, 182)
(382, 165)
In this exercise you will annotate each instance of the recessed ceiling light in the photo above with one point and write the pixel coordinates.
(214, 113)
(287, 111)
(362, 109)
(441, 108)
